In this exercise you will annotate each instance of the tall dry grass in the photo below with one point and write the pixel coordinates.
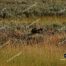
(33, 55)
(45, 54)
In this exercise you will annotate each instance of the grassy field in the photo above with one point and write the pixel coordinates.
(43, 20)
(36, 55)
(15, 8)
(33, 55)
